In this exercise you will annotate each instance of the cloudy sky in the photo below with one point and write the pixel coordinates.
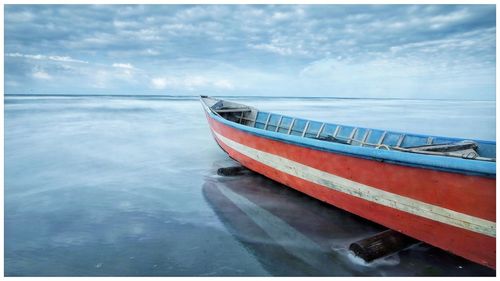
(423, 51)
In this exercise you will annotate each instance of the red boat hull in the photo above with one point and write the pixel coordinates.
(452, 211)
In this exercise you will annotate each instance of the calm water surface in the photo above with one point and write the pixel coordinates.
(117, 186)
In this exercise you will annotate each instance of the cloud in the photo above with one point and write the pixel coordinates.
(44, 57)
(399, 77)
(123, 65)
(252, 49)
(272, 48)
(126, 24)
(22, 16)
(159, 83)
(190, 83)
(40, 74)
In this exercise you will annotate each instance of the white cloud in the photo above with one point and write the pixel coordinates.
(147, 34)
(190, 83)
(94, 40)
(203, 12)
(151, 52)
(279, 16)
(40, 74)
(272, 49)
(448, 19)
(65, 59)
(125, 24)
(159, 83)
(24, 16)
(473, 41)
(174, 27)
(123, 65)
(44, 57)
(396, 77)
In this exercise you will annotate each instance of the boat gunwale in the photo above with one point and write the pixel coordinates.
(435, 162)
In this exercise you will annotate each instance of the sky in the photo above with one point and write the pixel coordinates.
(373, 51)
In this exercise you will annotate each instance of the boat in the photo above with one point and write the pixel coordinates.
(439, 190)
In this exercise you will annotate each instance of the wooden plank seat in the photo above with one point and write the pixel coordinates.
(231, 110)
(221, 107)
(448, 147)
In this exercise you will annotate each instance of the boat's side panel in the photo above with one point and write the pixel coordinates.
(452, 211)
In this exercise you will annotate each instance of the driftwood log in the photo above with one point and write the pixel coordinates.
(380, 245)
(232, 171)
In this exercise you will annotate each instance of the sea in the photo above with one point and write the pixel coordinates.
(128, 186)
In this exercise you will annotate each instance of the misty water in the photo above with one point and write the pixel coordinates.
(127, 186)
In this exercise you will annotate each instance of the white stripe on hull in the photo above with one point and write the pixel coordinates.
(364, 192)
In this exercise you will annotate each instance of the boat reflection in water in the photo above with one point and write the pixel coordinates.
(292, 234)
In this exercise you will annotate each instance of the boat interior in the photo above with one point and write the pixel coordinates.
(349, 135)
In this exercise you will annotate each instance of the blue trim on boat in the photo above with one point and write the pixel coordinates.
(451, 164)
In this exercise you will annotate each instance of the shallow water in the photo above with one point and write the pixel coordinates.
(127, 186)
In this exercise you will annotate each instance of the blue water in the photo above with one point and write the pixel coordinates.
(127, 186)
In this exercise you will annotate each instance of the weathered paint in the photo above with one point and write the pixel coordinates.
(455, 212)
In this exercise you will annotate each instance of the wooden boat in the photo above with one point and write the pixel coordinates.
(439, 190)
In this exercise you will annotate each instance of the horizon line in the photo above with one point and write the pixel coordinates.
(239, 96)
